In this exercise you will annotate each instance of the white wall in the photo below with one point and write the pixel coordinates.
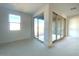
(74, 26)
(8, 36)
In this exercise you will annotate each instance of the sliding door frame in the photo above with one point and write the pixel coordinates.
(37, 29)
(56, 25)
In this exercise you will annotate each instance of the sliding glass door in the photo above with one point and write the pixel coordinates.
(39, 28)
(35, 28)
(54, 28)
(58, 27)
(62, 27)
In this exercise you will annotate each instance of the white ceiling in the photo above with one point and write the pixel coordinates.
(31, 8)
(66, 8)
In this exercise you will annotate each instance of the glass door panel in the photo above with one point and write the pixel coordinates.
(58, 27)
(35, 27)
(54, 30)
(62, 28)
(41, 29)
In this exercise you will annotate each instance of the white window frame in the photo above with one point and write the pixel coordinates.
(14, 22)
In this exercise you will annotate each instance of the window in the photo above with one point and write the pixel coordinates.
(14, 22)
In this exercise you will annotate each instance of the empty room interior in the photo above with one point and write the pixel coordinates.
(39, 29)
